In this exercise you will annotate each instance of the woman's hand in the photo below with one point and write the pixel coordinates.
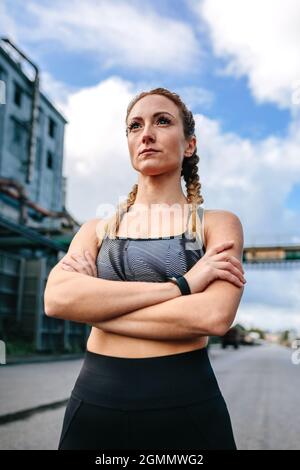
(80, 264)
(215, 264)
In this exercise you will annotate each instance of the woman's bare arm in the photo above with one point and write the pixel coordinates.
(206, 313)
(185, 317)
(78, 297)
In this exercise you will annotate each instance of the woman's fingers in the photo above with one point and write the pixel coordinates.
(226, 257)
(66, 266)
(226, 265)
(228, 276)
(82, 264)
(237, 263)
(78, 263)
(220, 247)
(91, 262)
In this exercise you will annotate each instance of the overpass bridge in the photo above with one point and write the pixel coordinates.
(280, 255)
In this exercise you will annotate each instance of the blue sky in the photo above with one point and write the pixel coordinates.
(236, 65)
(231, 95)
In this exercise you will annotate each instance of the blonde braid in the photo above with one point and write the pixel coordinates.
(111, 227)
(193, 185)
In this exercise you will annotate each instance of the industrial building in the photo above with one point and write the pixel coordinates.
(35, 226)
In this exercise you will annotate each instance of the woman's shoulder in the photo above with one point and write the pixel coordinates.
(94, 228)
(96, 222)
(216, 217)
(219, 214)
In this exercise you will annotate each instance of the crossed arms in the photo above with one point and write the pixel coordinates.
(148, 310)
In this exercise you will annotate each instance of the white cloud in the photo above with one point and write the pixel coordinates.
(264, 284)
(261, 315)
(97, 162)
(252, 179)
(96, 133)
(117, 33)
(194, 97)
(258, 39)
(58, 92)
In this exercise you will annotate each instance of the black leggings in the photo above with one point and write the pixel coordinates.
(161, 402)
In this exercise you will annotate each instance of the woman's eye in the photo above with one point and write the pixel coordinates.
(162, 118)
(131, 125)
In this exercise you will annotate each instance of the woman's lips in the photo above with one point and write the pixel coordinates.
(149, 151)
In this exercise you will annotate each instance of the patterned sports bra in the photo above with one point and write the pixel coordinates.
(150, 259)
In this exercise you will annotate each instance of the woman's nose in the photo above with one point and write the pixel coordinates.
(148, 138)
(148, 134)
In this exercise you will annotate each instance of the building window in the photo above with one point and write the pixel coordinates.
(40, 116)
(2, 87)
(18, 95)
(49, 159)
(38, 155)
(51, 128)
(19, 139)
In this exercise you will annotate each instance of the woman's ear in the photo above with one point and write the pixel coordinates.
(190, 147)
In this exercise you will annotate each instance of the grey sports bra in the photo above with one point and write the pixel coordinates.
(149, 259)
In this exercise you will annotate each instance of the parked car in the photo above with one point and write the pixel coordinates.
(231, 338)
(252, 338)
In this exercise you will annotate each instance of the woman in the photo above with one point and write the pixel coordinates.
(146, 381)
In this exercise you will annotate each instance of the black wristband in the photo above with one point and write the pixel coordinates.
(182, 284)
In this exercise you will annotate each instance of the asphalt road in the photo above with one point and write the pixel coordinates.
(260, 385)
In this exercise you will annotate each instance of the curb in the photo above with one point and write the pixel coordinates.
(23, 414)
(11, 361)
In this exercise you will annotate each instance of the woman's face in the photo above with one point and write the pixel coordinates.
(162, 132)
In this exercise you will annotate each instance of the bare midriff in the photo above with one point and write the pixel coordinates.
(112, 344)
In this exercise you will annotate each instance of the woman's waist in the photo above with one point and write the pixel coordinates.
(171, 380)
(111, 344)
